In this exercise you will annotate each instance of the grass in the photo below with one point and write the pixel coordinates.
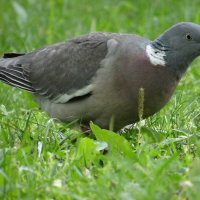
(41, 159)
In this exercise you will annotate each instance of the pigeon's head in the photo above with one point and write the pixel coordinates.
(178, 46)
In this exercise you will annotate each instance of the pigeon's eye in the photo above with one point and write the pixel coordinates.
(188, 36)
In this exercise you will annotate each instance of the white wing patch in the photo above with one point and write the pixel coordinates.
(66, 97)
(156, 56)
(112, 44)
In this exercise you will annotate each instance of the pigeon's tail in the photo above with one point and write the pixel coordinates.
(12, 73)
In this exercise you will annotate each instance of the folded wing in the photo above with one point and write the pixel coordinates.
(58, 72)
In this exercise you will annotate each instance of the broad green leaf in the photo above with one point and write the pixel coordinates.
(116, 144)
(86, 152)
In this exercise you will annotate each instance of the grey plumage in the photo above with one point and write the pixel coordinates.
(98, 76)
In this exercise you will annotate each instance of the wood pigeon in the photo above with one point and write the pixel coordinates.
(97, 77)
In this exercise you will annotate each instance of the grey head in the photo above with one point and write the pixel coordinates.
(178, 46)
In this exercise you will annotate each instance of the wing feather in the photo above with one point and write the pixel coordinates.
(59, 72)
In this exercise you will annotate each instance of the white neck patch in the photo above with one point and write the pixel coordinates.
(156, 56)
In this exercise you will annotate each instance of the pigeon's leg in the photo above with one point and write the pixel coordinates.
(85, 129)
